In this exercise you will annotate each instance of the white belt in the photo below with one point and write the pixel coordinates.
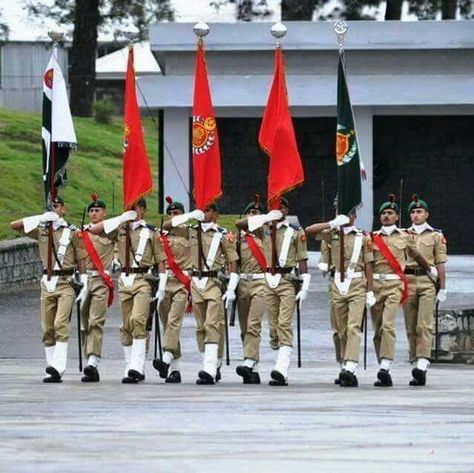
(386, 277)
(252, 276)
(92, 273)
(357, 274)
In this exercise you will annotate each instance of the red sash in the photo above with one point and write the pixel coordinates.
(97, 262)
(256, 252)
(394, 264)
(172, 263)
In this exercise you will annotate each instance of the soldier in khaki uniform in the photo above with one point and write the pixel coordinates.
(388, 284)
(57, 293)
(422, 294)
(95, 302)
(218, 254)
(252, 293)
(173, 300)
(290, 251)
(350, 296)
(135, 292)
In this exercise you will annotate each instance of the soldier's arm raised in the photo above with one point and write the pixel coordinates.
(316, 228)
(242, 224)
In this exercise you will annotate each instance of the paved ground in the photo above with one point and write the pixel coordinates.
(310, 425)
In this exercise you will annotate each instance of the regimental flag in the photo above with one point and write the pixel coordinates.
(57, 131)
(206, 154)
(350, 169)
(277, 139)
(136, 173)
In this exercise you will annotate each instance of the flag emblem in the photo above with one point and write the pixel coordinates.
(48, 78)
(345, 151)
(204, 134)
(126, 134)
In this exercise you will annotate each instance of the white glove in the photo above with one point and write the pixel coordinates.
(229, 295)
(370, 299)
(183, 218)
(433, 273)
(30, 223)
(160, 293)
(339, 221)
(323, 267)
(303, 293)
(442, 295)
(112, 223)
(84, 290)
(256, 221)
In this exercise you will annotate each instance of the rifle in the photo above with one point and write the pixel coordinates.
(223, 280)
(153, 281)
(297, 282)
(363, 328)
(234, 302)
(78, 310)
(436, 330)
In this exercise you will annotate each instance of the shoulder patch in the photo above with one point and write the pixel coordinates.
(151, 227)
(230, 236)
(303, 237)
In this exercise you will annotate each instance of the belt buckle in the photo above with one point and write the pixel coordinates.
(249, 277)
(383, 277)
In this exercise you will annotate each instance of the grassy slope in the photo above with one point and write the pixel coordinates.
(92, 167)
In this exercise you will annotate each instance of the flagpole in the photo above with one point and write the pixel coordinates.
(201, 30)
(56, 37)
(278, 31)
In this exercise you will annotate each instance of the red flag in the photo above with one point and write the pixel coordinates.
(206, 155)
(277, 139)
(137, 180)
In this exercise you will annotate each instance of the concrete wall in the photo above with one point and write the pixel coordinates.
(19, 262)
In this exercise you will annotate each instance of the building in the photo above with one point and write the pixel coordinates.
(411, 85)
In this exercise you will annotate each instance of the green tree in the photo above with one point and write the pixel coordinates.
(88, 17)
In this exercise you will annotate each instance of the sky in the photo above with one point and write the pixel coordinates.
(25, 28)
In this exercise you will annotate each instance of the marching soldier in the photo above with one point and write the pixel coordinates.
(252, 293)
(139, 251)
(57, 292)
(422, 294)
(391, 245)
(289, 251)
(98, 253)
(174, 299)
(212, 250)
(349, 296)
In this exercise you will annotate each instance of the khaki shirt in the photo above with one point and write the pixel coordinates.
(297, 251)
(178, 238)
(226, 253)
(248, 262)
(104, 247)
(72, 254)
(153, 253)
(366, 254)
(431, 244)
(400, 244)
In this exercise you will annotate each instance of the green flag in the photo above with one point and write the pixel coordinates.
(349, 170)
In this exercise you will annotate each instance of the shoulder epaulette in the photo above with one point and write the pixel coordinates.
(151, 227)
(72, 227)
(437, 230)
(222, 230)
(295, 227)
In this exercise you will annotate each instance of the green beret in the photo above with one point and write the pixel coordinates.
(417, 203)
(213, 206)
(390, 204)
(256, 204)
(284, 202)
(96, 202)
(174, 206)
(141, 202)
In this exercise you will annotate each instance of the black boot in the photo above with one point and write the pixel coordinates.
(277, 379)
(174, 377)
(384, 379)
(419, 377)
(128, 380)
(91, 374)
(348, 379)
(204, 378)
(54, 374)
(50, 379)
(254, 378)
(161, 367)
(245, 372)
(136, 375)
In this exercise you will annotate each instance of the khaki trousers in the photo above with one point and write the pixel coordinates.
(56, 308)
(172, 310)
(333, 322)
(348, 314)
(388, 295)
(418, 312)
(135, 306)
(252, 304)
(208, 310)
(93, 314)
(281, 307)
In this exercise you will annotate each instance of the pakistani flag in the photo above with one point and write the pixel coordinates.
(350, 169)
(57, 131)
